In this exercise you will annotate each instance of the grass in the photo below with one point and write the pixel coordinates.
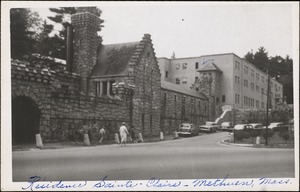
(276, 141)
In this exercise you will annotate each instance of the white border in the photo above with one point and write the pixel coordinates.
(6, 155)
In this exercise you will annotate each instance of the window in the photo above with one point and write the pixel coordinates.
(104, 87)
(257, 88)
(223, 98)
(245, 83)
(238, 80)
(184, 80)
(165, 98)
(111, 87)
(177, 66)
(257, 104)
(245, 100)
(252, 86)
(166, 74)
(262, 91)
(177, 80)
(196, 65)
(246, 69)
(236, 64)
(257, 76)
(217, 100)
(235, 98)
(252, 73)
(184, 65)
(238, 98)
(262, 79)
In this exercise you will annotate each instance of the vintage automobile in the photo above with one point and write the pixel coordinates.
(188, 129)
(209, 127)
(278, 126)
(242, 126)
(226, 126)
(257, 125)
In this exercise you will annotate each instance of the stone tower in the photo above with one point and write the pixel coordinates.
(86, 25)
(209, 84)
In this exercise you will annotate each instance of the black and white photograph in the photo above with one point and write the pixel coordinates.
(149, 96)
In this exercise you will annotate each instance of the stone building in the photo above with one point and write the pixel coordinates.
(99, 85)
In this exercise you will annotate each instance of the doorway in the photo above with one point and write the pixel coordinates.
(25, 120)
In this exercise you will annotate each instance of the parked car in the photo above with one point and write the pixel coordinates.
(209, 127)
(242, 126)
(278, 126)
(188, 129)
(257, 125)
(226, 126)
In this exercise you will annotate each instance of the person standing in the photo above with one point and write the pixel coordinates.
(102, 134)
(123, 133)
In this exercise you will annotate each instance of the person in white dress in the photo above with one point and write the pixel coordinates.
(123, 133)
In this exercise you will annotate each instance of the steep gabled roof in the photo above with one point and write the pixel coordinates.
(113, 59)
(210, 67)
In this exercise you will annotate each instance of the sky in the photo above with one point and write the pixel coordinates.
(195, 28)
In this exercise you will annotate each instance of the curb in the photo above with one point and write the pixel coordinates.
(236, 144)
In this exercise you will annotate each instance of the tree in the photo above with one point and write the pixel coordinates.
(24, 27)
(279, 68)
(50, 45)
(62, 19)
(261, 59)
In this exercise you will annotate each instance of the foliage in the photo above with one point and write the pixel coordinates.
(285, 135)
(279, 116)
(239, 135)
(50, 45)
(24, 27)
(270, 133)
(53, 42)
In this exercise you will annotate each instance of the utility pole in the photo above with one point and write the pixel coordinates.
(268, 98)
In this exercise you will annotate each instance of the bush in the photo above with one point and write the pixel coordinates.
(239, 135)
(270, 133)
(285, 135)
(253, 132)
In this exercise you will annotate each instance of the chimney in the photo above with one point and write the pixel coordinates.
(69, 48)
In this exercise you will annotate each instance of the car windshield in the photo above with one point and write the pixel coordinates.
(239, 127)
(185, 126)
(225, 124)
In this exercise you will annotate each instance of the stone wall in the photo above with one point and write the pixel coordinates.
(178, 108)
(69, 114)
(146, 98)
(64, 110)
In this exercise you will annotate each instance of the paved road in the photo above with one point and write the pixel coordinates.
(187, 158)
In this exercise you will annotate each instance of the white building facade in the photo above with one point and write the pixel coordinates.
(238, 84)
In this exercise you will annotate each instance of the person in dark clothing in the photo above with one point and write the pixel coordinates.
(132, 135)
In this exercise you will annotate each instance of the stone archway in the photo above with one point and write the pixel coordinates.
(25, 120)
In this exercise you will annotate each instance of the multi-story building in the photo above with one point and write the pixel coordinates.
(231, 80)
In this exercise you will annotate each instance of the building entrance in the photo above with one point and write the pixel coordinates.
(25, 120)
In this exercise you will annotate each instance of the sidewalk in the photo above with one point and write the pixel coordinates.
(61, 145)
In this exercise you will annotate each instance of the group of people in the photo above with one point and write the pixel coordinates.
(123, 131)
